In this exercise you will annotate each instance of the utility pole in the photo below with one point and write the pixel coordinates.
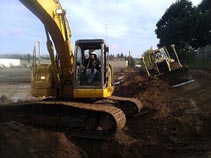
(106, 29)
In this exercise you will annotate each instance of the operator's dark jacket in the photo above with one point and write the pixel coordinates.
(92, 63)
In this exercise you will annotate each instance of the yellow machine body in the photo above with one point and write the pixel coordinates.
(58, 79)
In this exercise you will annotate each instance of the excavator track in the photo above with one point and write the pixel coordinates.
(79, 119)
(130, 106)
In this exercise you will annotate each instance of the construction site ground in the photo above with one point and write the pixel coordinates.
(175, 122)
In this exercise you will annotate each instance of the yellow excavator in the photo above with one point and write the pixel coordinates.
(86, 109)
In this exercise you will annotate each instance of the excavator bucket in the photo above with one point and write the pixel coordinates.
(177, 77)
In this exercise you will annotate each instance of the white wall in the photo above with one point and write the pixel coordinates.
(118, 64)
(10, 62)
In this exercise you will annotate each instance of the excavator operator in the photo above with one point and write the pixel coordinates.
(92, 66)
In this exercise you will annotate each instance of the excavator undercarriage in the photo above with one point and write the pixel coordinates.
(89, 119)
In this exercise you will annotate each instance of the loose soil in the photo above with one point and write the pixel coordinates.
(175, 122)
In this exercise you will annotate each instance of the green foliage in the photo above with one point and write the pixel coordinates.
(131, 61)
(175, 26)
(202, 27)
(120, 55)
(186, 26)
(146, 58)
(3, 98)
(27, 57)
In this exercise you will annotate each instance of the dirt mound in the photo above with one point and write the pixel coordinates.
(18, 141)
(153, 93)
(169, 125)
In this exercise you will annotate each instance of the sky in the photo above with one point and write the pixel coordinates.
(126, 25)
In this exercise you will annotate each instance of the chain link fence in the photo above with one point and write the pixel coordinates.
(202, 58)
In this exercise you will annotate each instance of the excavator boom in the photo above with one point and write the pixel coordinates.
(53, 17)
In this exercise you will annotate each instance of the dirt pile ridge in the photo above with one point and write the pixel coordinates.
(170, 125)
(19, 141)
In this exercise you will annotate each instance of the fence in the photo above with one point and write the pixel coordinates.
(202, 57)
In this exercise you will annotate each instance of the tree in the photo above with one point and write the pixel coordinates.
(122, 55)
(131, 61)
(111, 56)
(202, 24)
(175, 26)
(146, 58)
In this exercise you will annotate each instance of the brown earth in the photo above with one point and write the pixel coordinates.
(173, 123)
(19, 141)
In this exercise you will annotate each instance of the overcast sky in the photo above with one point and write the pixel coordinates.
(126, 25)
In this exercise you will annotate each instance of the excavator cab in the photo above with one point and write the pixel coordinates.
(89, 59)
(95, 77)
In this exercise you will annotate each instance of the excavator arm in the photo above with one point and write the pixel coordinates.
(53, 17)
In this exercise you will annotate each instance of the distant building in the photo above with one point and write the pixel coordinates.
(10, 62)
(118, 64)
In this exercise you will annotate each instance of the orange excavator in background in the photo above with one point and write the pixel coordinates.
(87, 109)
